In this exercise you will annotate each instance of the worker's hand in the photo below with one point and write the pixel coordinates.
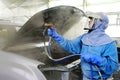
(52, 32)
(92, 58)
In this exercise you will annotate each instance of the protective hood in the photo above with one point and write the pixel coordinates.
(98, 37)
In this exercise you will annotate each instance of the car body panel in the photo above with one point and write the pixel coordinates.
(14, 67)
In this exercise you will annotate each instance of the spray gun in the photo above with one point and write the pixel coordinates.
(47, 47)
(46, 26)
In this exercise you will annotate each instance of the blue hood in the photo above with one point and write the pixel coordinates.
(98, 36)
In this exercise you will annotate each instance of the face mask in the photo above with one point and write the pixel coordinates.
(90, 24)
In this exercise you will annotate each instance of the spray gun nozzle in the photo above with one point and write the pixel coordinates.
(48, 25)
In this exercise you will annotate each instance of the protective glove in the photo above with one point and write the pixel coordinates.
(52, 32)
(92, 58)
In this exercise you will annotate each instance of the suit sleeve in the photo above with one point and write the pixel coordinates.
(72, 46)
(110, 59)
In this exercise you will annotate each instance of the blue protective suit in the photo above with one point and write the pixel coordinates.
(108, 52)
(94, 43)
(98, 43)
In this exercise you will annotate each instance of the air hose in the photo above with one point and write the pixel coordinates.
(48, 53)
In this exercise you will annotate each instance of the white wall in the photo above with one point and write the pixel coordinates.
(113, 31)
(4, 11)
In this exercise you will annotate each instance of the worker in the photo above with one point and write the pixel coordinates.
(98, 51)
